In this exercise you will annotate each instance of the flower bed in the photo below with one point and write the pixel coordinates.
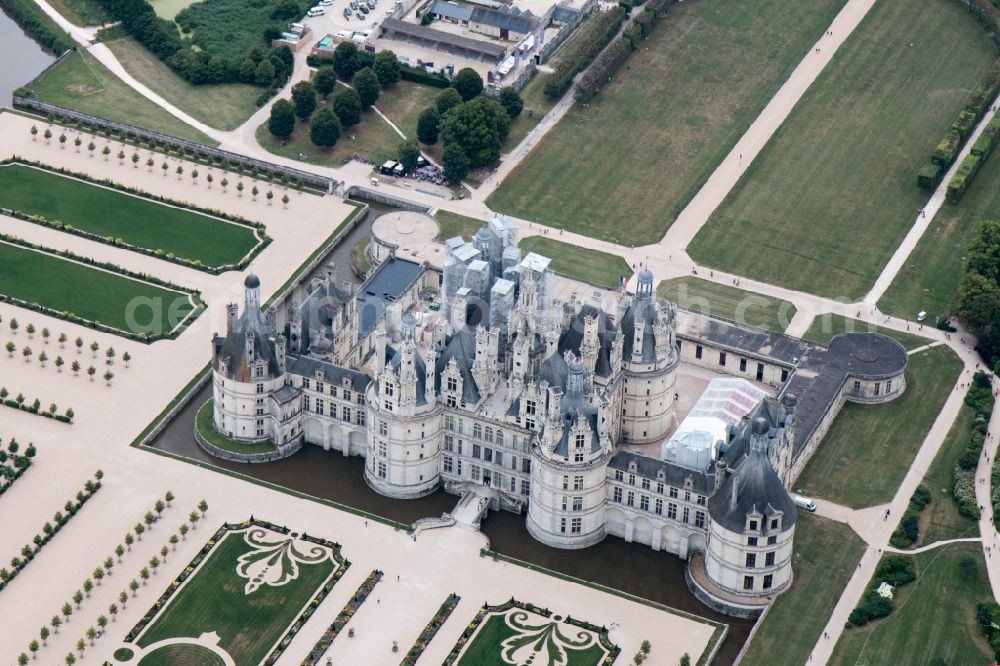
(29, 551)
(263, 239)
(345, 615)
(430, 630)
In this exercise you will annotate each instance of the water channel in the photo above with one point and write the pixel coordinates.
(629, 567)
(23, 58)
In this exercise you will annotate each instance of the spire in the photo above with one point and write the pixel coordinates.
(251, 293)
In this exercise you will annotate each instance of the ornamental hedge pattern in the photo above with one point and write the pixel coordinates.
(345, 615)
(428, 633)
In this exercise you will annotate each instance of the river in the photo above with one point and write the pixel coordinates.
(23, 58)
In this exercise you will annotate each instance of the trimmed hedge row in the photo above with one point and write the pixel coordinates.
(345, 615)
(29, 551)
(429, 631)
(29, 16)
(582, 48)
(20, 402)
(406, 72)
(960, 182)
(263, 240)
(951, 144)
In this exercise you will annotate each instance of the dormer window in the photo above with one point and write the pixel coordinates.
(529, 407)
(753, 525)
(581, 440)
(775, 523)
(452, 384)
(260, 372)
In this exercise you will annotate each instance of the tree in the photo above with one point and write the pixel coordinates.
(121, 156)
(91, 634)
(33, 647)
(324, 131)
(102, 621)
(106, 151)
(408, 152)
(468, 83)
(22, 659)
(67, 610)
(91, 147)
(123, 598)
(75, 366)
(367, 85)
(113, 610)
(173, 543)
(169, 497)
(270, 195)
(77, 142)
(10, 347)
(144, 574)
(203, 507)
(34, 132)
(183, 530)
(43, 633)
(479, 127)
(135, 160)
(646, 647)
(428, 125)
(149, 519)
(285, 200)
(62, 340)
(239, 188)
(126, 357)
(194, 176)
(685, 660)
(139, 529)
(255, 191)
(164, 167)
(42, 357)
(62, 141)
(193, 517)
(446, 100)
(108, 376)
(179, 171)
(30, 330)
(303, 99)
(13, 326)
(265, 73)
(129, 540)
(133, 585)
(26, 353)
(78, 598)
(455, 163)
(325, 80)
(47, 134)
(282, 121)
(347, 105)
(56, 622)
(110, 355)
(150, 163)
(511, 101)
(70, 659)
(119, 551)
(345, 60)
(386, 68)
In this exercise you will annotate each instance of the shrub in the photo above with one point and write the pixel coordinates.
(960, 182)
(982, 146)
(602, 69)
(873, 606)
(929, 176)
(947, 149)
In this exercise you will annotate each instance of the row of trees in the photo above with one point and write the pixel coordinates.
(104, 570)
(14, 462)
(978, 299)
(470, 126)
(346, 105)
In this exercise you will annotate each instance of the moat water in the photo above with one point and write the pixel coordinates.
(629, 567)
(23, 58)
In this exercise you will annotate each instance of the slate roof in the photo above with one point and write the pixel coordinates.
(395, 28)
(306, 366)
(572, 407)
(232, 347)
(674, 475)
(572, 338)
(391, 279)
(461, 347)
(648, 308)
(754, 487)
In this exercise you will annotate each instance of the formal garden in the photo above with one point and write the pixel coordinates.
(109, 213)
(102, 296)
(847, 201)
(704, 77)
(254, 584)
(868, 449)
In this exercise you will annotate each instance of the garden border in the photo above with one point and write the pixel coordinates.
(429, 631)
(343, 617)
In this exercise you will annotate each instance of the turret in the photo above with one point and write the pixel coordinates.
(251, 292)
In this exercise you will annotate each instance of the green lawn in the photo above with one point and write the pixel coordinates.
(168, 9)
(137, 221)
(929, 281)
(91, 293)
(940, 520)
(537, 102)
(484, 648)
(206, 426)
(403, 103)
(248, 624)
(826, 556)
(225, 106)
(599, 268)
(80, 82)
(834, 192)
(181, 655)
(827, 325)
(81, 12)
(934, 618)
(372, 139)
(623, 168)
(747, 307)
(865, 455)
(453, 224)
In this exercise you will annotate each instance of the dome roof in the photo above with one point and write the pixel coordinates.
(252, 281)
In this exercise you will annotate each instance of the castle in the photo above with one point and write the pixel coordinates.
(476, 380)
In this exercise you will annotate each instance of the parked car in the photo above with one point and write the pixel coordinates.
(354, 4)
(364, 9)
(316, 11)
(347, 13)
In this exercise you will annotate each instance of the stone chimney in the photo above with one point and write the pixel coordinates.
(232, 314)
(279, 352)
(250, 347)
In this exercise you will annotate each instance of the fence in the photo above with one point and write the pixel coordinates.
(259, 167)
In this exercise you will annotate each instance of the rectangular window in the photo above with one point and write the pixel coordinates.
(458, 467)
(644, 502)
(769, 559)
(476, 472)
(751, 541)
(774, 523)
(487, 454)
(260, 388)
(320, 387)
(448, 464)
(449, 422)
(658, 506)
(760, 372)
(687, 495)
(753, 525)
(305, 403)
(697, 351)
(359, 419)
(659, 487)
(771, 540)
(477, 430)
(686, 516)
(701, 499)
(619, 475)
(645, 484)
(477, 451)
(576, 525)
(672, 511)
(888, 387)
(699, 519)
(767, 581)
(631, 479)
(784, 375)
(878, 388)
(722, 358)
(320, 407)
(525, 487)
(743, 365)
(449, 443)
(381, 469)
(577, 483)
(526, 465)
(630, 498)
(382, 449)
(498, 458)
(383, 429)
(529, 407)
(345, 414)
(747, 582)
(562, 525)
(673, 492)
(565, 482)
(751, 560)
(578, 504)
(617, 495)
(857, 385)
(578, 457)
(513, 463)
(306, 383)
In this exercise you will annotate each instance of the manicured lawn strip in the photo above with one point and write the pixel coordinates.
(181, 655)
(537, 101)
(941, 516)
(826, 556)
(934, 617)
(453, 224)
(225, 106)
(81, 12)
(91, 293)
(81, 82)
(623, 168)
(136, 221)
(599, 268)
(929, 280)
(214, 600)
(867, 452)
(484, 650)
(827, 325)
(772, 314)
(833, 193)
(207, 429)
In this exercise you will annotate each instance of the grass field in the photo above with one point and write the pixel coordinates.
(484, 648)
(168, 9)
(599, 268)
(929, 281)
(625, 166)
(88, 292)
(372, 139)
(81, 12)
(827, 325)
(137, 221)
(867, 452)
(721, 300)
(225, 106)
(825, 558)
(205, 425)
(833, 193)
(230, 28)
(453, 224)
(403, 103)
(181, 655)
(537, 102)
(940, 520)
(80, 82)
(248, 624)
(934, 620)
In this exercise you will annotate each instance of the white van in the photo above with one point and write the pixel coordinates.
(804, 503)
(316, 11)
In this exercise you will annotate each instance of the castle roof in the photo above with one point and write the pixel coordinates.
(231, 350)
(462, 348)
(647, 308)
(572, 338)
